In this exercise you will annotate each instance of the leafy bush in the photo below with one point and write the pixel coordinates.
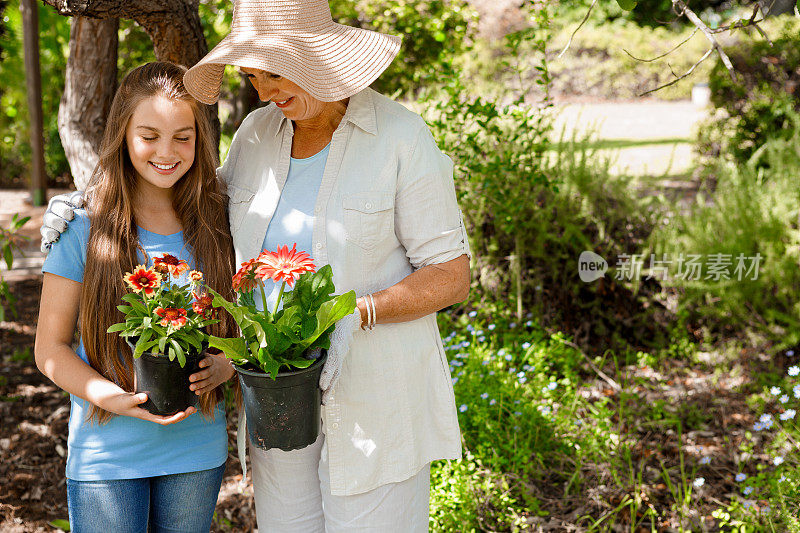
(9, 245)
(433, 31)
(762, 104)
(753, 211)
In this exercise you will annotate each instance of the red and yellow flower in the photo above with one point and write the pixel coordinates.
(169, 264)
(284, 264)
(202, 305)
(245, 279)
(143, 279)
(196, 276)
(171, 316)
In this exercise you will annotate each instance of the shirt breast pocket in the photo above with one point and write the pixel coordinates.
(368, 218)
(238, 203)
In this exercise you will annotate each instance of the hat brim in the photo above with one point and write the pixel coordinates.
(330, 65)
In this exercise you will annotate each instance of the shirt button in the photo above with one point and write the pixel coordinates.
(318, 245)
(317, 209)
(368, 205)
(335, 425)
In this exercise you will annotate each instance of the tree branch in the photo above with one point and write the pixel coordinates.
(715, 46)
(679, 78)
(569, 43)
(664, 54)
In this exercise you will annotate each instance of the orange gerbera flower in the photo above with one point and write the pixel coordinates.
(168, 263)
(202, 304)
(172, 316)
(284, 264)
(143, 279)
(245, 279)
(196, 275)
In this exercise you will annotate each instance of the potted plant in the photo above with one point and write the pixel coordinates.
(164, 326)
(280, 353)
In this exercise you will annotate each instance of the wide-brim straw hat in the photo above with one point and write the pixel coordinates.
(298, 40)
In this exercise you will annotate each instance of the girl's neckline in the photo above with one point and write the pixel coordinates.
(145, 233)
(311, 158)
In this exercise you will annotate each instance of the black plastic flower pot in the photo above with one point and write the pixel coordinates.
(165, 382)
(284, 412)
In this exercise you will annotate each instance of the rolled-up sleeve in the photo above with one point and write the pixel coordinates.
(428, 221)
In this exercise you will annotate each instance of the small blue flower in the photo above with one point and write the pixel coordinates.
(501, 352)
(520, 374)
(766, 509)
(790, 353)
(481, 338)
(775, 390)
(517, 413)
(509, 357)
(485, 395)
(460, 373)
(512, 325)
(747, 491)
(552, 385)
(465, 344)
(491, 372)
(491, 327)
(526, 345)
(796, 391)
(758, 426)
(705, 460)
(545, 410)
(470, 328)
(512, 370)
(699, 482)
(777, 460)
(787, 415)
(747, 504)
(793, 370)
(741, 476)
(529, 323)
(455, 380)
(479, 332)
(522, 380)
(463, 408)
(784, 398)
(492, 401)
(782, 479)
(472, 314)
(485, 362)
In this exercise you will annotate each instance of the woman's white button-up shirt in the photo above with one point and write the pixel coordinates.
(386, 207)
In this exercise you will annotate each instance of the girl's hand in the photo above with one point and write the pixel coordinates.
(217, 369)
(127, 404)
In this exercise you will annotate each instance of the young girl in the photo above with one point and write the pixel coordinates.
(154, 191)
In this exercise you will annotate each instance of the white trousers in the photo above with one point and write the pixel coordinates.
(292, 494)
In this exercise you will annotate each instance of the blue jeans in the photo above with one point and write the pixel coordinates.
(175, 503)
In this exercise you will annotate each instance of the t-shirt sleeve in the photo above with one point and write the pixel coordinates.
(67, 257)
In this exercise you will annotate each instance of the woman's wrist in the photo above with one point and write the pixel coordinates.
(361, 304)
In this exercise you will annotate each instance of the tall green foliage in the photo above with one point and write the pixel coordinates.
(15, 151)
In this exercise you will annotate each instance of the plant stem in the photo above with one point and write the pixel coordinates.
(263, 295)
(280, 295)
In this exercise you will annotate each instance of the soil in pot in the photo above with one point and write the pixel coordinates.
(284, 412)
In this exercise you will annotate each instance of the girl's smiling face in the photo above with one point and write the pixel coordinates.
(160, 138)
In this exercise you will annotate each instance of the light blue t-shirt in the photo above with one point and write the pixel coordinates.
(293, 221)
(126, 447)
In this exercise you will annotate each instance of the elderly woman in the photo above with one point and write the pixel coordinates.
(358, 181)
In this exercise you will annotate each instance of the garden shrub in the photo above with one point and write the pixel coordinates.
(754, 210)
(763, 103)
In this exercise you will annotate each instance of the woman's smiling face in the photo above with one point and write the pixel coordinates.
(296, 103)
(160, 138)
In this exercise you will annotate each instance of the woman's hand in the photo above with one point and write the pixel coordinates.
(127, 404)
(216, 370)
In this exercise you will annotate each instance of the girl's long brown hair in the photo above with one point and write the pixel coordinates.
(199, 203)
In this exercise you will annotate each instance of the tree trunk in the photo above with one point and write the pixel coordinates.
(177, 34)
(772, 8)
(91, 81)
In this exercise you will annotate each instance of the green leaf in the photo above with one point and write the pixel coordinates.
(162, 345)
(141, 344)
(235, 348)
(61, 524)
(329, 313)
(178, 352)
(125, 309)
(8, 256)
(627, 5)
(117, 327)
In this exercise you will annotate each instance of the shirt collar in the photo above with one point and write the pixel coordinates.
(360, 112)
